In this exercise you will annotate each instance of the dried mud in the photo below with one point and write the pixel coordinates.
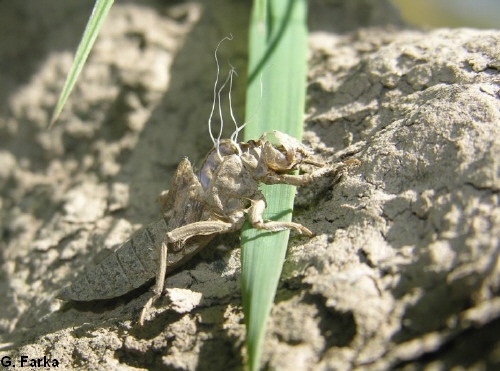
(403, 272)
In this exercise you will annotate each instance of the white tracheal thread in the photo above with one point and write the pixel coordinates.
(217, 100)
(219, 104)
(217, 93)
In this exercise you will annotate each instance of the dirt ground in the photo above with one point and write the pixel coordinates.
(404, 270)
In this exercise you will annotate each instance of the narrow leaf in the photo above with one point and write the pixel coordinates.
(101, 9)
(278, 47)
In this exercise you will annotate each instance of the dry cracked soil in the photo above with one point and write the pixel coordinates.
(403, 272)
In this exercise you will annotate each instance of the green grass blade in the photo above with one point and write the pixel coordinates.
(278, 49)
(101, 9)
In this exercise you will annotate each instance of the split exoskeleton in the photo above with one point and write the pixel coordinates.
(198, 206)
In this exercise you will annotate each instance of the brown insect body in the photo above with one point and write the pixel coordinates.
(198, 206)
(136, 261)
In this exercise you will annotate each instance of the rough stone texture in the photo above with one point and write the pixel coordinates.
(404, 270)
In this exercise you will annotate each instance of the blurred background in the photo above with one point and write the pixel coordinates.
(450, 13)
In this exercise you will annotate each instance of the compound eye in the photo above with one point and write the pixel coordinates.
(275, 159)
(286, 152)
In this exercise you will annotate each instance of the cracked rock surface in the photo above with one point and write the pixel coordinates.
(404, 270)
